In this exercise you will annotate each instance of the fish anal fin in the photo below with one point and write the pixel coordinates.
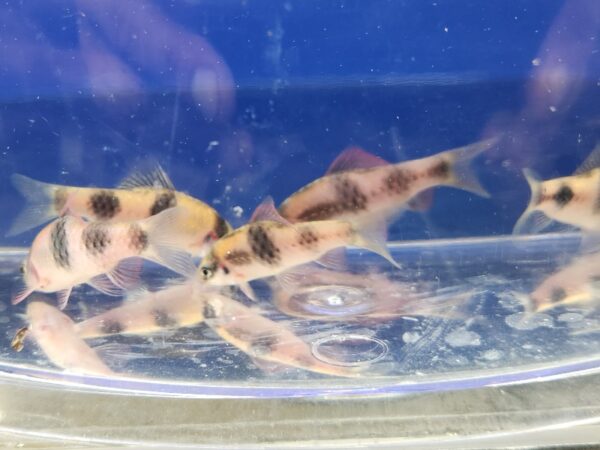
(267, 211)
(127, 273)
(63, 298)
(531, 222)
(355, 158)
(373, 236)
(248, 291)
(334, 259)
(422, 201)
(105, 285)
(295, 277)
(591, 162)
(152, 177)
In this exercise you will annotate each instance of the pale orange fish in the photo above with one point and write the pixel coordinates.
(139, 196)
(363, 188)
(573, 200)
(273, 246)
(577, 284)
(55, 334)
(71, 251)
(147, 312)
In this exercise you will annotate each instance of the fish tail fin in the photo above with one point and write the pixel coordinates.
(532, 220)
(164, 246)
(461, 174)
(39, 207)
(373, 236)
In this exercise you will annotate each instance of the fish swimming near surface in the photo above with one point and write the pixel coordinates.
(54, 332)
(363, 188)
(139, 196)
(70, 251)
(269, 245)
(572, 200)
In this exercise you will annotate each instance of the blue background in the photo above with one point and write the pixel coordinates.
(90, 89)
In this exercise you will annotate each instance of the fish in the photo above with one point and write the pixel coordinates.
(139, 196)
(263, 339)
(70, 251)
(271, 246)
(145, 312)
(55, 334)
(363, 188)
(573, 200)
(577, 284)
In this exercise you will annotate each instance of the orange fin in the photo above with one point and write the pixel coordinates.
(355, 158)
(267, 211)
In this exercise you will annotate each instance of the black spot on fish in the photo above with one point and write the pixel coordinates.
(104, 205)
(558, 294)
(308, 238)
(221, 227)
(398, 181)
(138, 238)
(208, 312)
(349, 195)
(563, 196)
(111, 327)
(262, 246)
(440, 170)
(163, 319)
(59, 243)
(60, 199)
(96, 238)
(238, 257)
(225, 270)
(263, 345)
(164, 200)
(321, 211)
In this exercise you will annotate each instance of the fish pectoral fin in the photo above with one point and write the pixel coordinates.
(294, 278)
(21, 295)
(422, 201)
(373, 236)
(531, 222)
(152, 177)
(63, 298)
(105, 285)
(126, 274)
(334, 259)
(267, 211)
(591, 162)
(248, 291)
(355, 158)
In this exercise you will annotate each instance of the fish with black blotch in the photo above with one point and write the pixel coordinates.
(271, 246)
(71, 251)
(139, 196)
(55, 334)
(572, 200)
(363, 188)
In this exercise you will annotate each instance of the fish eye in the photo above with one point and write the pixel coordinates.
(207, 272)
(23, 268)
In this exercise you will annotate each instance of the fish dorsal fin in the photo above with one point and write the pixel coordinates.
(155, 177)
(355, 158)
(591, 162)
(267, 211)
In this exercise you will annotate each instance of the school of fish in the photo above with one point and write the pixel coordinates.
(99, 237)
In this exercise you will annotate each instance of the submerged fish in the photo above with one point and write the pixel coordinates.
(147, 312)
(70, 251)
(139, 196)
(577, 284)
(364, 188)
(271, 246)
(54, 332)
(572, 200)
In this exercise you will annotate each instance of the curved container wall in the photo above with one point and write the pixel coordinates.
(238, 101)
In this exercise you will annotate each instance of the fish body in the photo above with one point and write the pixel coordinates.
(140, 197)
(55, 333)
(362, 188)
(70, 251)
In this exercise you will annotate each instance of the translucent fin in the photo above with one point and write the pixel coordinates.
(248, 291)
(590, 243)
(155, 177)
(373, 237)
(22, 294)
(127, 273)
(164, 247)
(591, 162)
(462, 175)
(63, 298)
(39, 203)
(539, 219)
(355, 158)
(267, 211)
(104, 284)
(422, 201)
(334, 259)
(292, 279)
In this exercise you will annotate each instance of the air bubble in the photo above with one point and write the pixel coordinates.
(525, 321)
(332, 301)
(349, 350)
